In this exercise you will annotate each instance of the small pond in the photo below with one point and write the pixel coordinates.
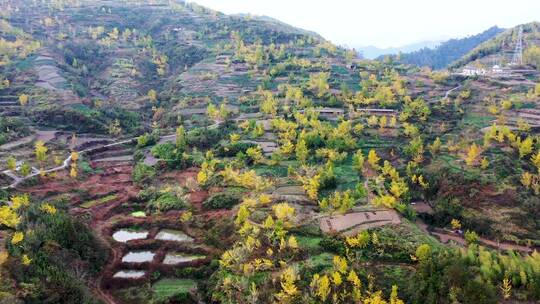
(138, 257)
(176, 258)
(125, 235)
(129, 274)
(173, 235)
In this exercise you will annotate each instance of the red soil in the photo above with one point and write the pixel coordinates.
(198, 197)
(112, 179)
(115, 178)
(181, 176)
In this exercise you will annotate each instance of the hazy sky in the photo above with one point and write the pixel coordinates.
(385, 23)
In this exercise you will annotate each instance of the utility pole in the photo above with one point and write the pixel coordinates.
(518, 51)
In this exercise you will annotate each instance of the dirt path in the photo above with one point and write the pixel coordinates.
(446, 237)
(446, 94)
(19, 142)
(98, 289)
(451, 90)
(105, 297)
(387, 263)
(65, 164)
(67, 161)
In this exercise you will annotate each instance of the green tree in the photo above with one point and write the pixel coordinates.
(269, 104)
(212, 111)
(23, 100)
(471, 237)
(41, 151)
(358, 161)
(526, 147)
(11, 163)
(152, 95)
(319, 83)
(181, 138)
(532, 56)
(26, 169)
(302, 151)
(423, 252)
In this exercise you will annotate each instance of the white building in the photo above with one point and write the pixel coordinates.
(472, 71)
(496, 69)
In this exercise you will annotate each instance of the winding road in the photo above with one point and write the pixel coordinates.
(17, 180)
(445, 236)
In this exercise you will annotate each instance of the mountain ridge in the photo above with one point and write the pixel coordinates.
(448, 51)
(499, 49)
(372, 52)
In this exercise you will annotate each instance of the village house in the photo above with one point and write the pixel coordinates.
(329, 113)
(473, 71)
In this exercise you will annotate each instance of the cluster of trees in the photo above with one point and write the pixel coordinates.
(531, 56)
(218, 114)
(140, 39)
(524, 147)
(18, 48)
(279, 57)
(12, 128)
(392, 189)
(267, 249)
(385, 91)
(247, 179)
(474, 275)
(50, 253)
(301, 135)
(256, 55)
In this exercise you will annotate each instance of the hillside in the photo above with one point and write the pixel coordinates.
(111, 55)
(447, 52)
(161, 152)
(500, 49)
(281, 26)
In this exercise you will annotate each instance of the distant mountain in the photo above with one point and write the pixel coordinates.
(372, 52)
(447, 52)
(500, 48)
(278, 25)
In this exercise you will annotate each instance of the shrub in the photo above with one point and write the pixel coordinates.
(143, 173)
(222, 201)
(168, 201)
(146, 140)
(471, 237)
(233, 149)
(174, 157)
(164, 200)
(332, 244)
(203, 137)
(166, 151)
(138, 155)
(328, 178)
